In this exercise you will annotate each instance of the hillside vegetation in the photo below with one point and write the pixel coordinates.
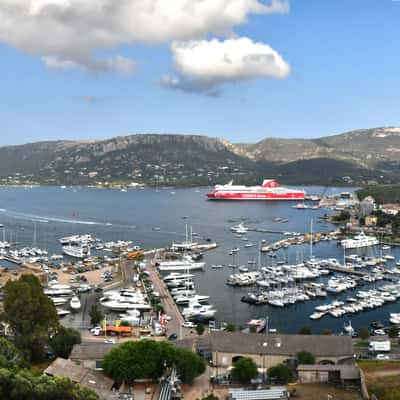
(354, 158)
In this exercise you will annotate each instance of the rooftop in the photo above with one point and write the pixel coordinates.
(90, 351)
(244, 343)
(98, 382)
(350, 372)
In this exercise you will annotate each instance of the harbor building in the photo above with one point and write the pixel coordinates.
(269, 350)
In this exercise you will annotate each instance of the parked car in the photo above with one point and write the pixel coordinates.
(96, 331)
(188, 324)
(173, 336)
(382, 357)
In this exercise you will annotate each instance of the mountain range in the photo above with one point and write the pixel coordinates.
(356, 157)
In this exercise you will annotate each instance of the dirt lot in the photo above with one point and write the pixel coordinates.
(200, 389)
(315, 391)
(383, 374)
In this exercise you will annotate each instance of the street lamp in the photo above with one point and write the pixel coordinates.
(264, 345)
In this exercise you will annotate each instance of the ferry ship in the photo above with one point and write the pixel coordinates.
(269, 190)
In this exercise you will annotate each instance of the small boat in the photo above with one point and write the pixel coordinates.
(243, 269)
(75, 304)
(247, 245)
(63, 313)
(348, 329)
(235, 249)
(257, 324)
(217, 266)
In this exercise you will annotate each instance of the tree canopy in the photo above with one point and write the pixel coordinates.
(10, 356)
(23, 385)
(19, 383)
(31, 314)
(63, 341)
(244, 370)
(149, 359)
(280, 373)
(95, 314)
(363, 333)
(304, 357)
(305, 330)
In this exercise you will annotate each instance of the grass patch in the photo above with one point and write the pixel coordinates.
(361, 344)
(370, 366)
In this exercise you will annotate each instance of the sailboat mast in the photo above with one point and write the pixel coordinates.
(311, 238)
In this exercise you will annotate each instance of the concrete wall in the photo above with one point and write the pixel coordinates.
(264, 361)
(313, 376)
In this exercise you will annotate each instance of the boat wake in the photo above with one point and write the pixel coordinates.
(46, 219)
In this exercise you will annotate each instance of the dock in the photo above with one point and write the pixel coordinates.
(345, 270)
(11, 260)
(168, 303)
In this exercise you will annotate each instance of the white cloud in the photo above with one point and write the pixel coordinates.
(204, 65)
(68, 33)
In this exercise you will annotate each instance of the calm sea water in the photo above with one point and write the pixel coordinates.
(112, 215)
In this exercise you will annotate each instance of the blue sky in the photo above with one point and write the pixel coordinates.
(344, 58)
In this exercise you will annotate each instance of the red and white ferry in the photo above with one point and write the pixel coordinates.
(270, 190)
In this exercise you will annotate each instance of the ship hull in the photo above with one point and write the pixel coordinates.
(255, 196)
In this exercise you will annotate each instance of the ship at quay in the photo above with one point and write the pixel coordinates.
(269, 190)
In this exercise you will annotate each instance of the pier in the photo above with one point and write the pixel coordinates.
(168, 303)
(345, 270)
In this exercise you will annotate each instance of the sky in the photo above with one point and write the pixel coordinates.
(242, 70)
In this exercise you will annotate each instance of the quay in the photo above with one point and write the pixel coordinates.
(345, 270)
(11, 260)
(168, 303)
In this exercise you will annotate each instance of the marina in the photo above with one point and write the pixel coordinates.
(297, 271)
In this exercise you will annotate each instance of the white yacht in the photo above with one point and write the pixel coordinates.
(240, 229)
(180, 265)
(58, 301)
(75, 304)
(186, 299)
(197, 310)
(63, 313)
(361, 240)
(176, 275)
(76, 251)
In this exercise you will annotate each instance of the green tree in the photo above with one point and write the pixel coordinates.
(210, 397)
(229, 328)
(63, 341)
(31, 314)
(10, 356)
(188, 365)
(363, 333)
(393, 332)
(200, 329)
(305, 357)
(148, 359)
(305, 330)
(244, 370)
(23, 385)
(96, 316)
(280, 373)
